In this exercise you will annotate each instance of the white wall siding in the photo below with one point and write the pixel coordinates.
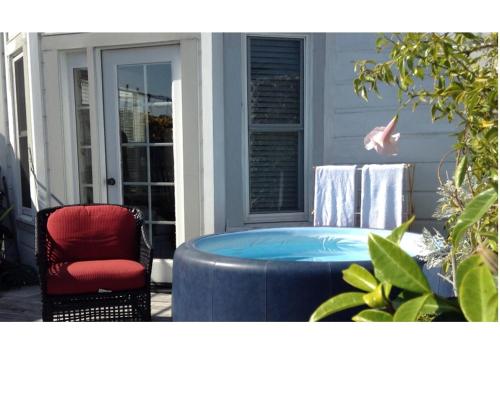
(348, 119)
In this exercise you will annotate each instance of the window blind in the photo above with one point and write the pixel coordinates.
(275, 124)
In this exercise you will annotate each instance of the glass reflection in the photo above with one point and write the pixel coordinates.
(134, 164)
(162, 164)
(162, 203)
(132, 105)
(164, 240)
(136, 196)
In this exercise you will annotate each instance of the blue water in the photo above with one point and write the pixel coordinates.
(299, 244)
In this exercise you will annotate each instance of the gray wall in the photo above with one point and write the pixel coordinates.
(340, 121)
(348, 119)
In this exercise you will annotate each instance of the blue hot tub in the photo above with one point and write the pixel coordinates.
(278, 274)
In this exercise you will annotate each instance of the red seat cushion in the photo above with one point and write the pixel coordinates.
(91, 276)
(85, 233)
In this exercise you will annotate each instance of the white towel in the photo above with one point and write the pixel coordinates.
(382, 196)
(334, 202)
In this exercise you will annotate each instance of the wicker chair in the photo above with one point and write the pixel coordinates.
(94, 263)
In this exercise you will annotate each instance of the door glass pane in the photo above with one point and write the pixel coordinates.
(159, 83)
(136, 196)
(83, 127)
(132, 104)
(87, 195)
(25, 172)
(22, 132)
(160, 124)
(85, 166)
(20, 95)
(159, 77)
(164, 241)
(82, 114)
(162, 164)
(163, 203)
(147, 160)
(134, 164)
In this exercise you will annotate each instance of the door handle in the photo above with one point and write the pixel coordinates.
(110, 181)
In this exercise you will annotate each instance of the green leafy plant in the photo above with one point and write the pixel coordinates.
(399, 291)
(463, 70)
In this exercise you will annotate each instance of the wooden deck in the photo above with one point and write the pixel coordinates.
(24, 305)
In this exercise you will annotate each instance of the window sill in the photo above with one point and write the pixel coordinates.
(275, 218)
(261, 225)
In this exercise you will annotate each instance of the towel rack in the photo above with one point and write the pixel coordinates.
(409, 178)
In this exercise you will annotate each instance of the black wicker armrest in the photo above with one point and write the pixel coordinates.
(145, 253)
(41, 244)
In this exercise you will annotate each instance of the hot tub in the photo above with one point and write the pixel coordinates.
(278, 274)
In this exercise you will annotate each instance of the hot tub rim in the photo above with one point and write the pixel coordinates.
(190, 245)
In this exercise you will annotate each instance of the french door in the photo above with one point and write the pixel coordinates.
(141, 92)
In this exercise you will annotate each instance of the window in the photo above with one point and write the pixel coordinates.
(84, 148)
(275, 89)
(22, 131)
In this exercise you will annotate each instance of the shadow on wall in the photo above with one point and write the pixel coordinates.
(21, 246)
(13, 270)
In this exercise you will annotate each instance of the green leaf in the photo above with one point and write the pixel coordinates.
(425, 304)
(376, 298)
(337, 303)
(436, 305)
(362, 93)
(380, 42)
(387, 289)
(492, 305)
(372, 315)
(359, 277)
(460, 171)
(395, 265)
(466, 265)
(397, 233)
(477, 295)
(409, 311)
(472, 213)
(419, 72)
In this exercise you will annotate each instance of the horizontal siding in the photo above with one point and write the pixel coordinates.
(348, 100)
(420, 148)
(355, 122)
(348, 118)
(346, 42)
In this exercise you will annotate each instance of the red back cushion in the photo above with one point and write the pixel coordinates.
(79, 233)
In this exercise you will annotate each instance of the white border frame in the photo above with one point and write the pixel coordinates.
(163, 266)
(68, 62)
(308, 83)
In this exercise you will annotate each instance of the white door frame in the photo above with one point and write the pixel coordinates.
(110, 59)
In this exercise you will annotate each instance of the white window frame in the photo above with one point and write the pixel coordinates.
(24, 214)
(69, 62)
(278, 217)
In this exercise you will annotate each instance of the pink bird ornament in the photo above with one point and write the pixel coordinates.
(383, 139)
